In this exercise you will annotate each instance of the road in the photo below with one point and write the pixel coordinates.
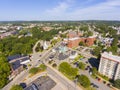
(16, 80)
(68, 83)
(83, 53)
(35, 58)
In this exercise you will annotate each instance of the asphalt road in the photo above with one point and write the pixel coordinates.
(69, 84)
(35, 61)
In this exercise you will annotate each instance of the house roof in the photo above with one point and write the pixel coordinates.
(13, 57)
(15, 65)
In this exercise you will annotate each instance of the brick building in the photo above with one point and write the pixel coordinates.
(74, 39)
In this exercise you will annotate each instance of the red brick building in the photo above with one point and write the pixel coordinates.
(74, 39)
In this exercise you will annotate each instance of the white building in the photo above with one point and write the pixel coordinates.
(110, 65)
(45, 46)
(73, 55)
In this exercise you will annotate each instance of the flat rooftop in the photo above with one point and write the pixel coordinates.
(111, 57)
(41, 83)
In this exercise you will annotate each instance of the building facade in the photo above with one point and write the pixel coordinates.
(110, 65)
(74, 38)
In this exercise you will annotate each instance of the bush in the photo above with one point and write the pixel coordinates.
(50, 62)
(84, 81)
(82, 43)
(16, 87)
(33, 70)
(54, 65)
(81, 66)
(66, 69)
(42, 67)
(94, 70)
(117, 83)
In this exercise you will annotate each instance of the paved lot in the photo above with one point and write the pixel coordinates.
(41, 83)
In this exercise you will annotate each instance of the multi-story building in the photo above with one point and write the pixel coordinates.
(74, 38)
(110, 65)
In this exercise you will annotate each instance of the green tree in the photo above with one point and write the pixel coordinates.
(33, 70)
(4, 71)
(16, 87)
(94, 70)
(82, 43)
(68, 70)
(42, 67)
(90, 33)
(117, 83)
(84, 81)
(81, 66)
(54, 65)
(97, 51)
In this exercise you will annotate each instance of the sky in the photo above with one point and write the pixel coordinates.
(11, 10)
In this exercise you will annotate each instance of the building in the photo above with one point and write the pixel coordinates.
(73, 55)
(17, 63)
(6, 34)
(74, 38)
(106, 41)
(110, 65)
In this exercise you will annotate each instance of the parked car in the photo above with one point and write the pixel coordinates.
(94, 85)
(23, 85)
(104, 82)
(99, 79)
(109, 85)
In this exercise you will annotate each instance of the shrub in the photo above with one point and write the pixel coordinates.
(68, 70)
(33, 70)
(81, 66)
(84, 81)
(16, 87)
(42, 67)
(54, 65)
(117, 83)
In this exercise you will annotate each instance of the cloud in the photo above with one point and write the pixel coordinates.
(60, 8)
(107, 10)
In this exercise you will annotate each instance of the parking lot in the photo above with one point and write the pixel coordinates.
(41, 83)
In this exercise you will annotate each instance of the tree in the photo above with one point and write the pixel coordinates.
(117, 83)
(81, 66)
(84, 81)
(16, 87)
(39, 48)
(68, 70)
(82, 43)
(33, 70)
(54, 65)
(4, 71)
(42, 67)
(97, 51)
(90, 33)
(94, 70)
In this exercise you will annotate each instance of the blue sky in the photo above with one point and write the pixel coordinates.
(59, 10)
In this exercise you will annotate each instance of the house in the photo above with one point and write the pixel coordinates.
(17, 63)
